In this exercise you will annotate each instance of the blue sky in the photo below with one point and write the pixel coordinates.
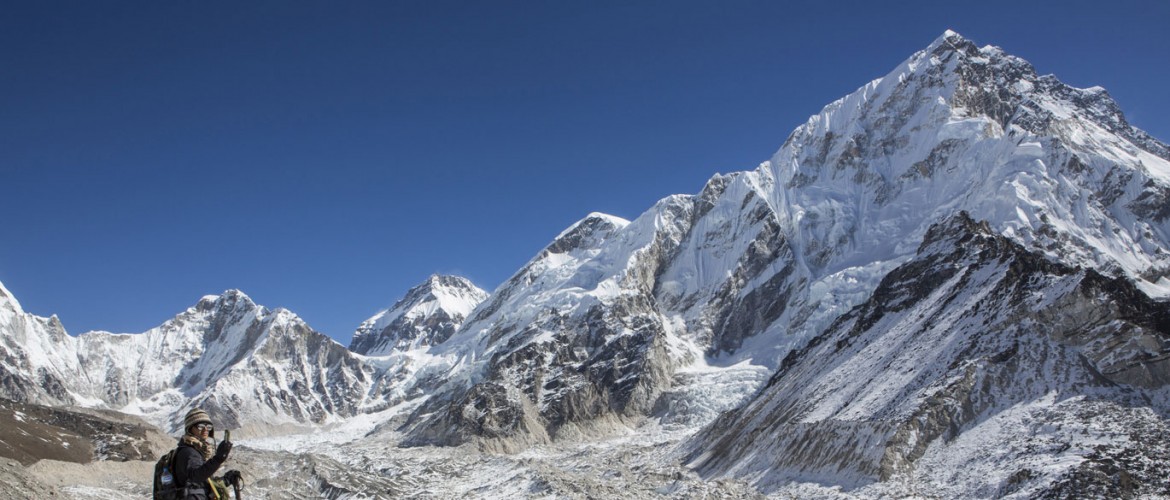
(325, 157)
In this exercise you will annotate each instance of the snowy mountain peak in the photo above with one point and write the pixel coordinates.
(951, 40)
(429, 314)
(228, 300)
(587, 232)
(955, 127)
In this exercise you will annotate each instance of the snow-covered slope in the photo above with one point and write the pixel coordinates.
(947, 371)
(586, 338)
(268, 370)
(957, 127)
(36, 356)
(1044, 317)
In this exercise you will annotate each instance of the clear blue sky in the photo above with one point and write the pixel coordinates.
(325, 157)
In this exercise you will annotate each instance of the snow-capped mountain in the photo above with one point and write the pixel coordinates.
(429, 314)
(249, 366)
(267, 370)
(1048, 319)
(613, 320)
(600, 323)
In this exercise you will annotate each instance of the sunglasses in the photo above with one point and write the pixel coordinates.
(204, 427)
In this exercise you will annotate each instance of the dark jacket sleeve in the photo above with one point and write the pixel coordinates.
(191, 469)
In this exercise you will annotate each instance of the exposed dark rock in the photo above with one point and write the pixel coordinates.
(1013, 330)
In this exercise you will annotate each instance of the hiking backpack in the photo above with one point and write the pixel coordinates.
(165, 487)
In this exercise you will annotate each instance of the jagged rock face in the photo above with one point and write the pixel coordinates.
(294, 376)
(428, 315)
(733, 272)
(551, 346)
(972, 328)
(267, 371)
(583, 333)
(586, 332)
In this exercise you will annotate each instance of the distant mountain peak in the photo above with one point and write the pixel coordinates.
(589, 231)
(428, 314)
(228, 301)
(952, 41)
(438, 281)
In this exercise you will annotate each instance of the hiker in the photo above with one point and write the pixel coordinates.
(196, 459)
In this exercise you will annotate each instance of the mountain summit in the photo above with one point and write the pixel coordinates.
(428, 315)
(1007, 237)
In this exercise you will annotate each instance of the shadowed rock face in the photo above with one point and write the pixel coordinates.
(578, 338)
(973, 326)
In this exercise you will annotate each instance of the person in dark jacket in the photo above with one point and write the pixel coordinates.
(197, 460)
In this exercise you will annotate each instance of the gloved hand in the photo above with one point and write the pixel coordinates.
(221, 451)
(234, 478)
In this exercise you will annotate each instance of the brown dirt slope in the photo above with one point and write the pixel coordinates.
(32, 432)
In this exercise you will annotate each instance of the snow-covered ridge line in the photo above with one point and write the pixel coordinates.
(225, 353)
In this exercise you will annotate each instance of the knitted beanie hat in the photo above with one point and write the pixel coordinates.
(195, 416)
